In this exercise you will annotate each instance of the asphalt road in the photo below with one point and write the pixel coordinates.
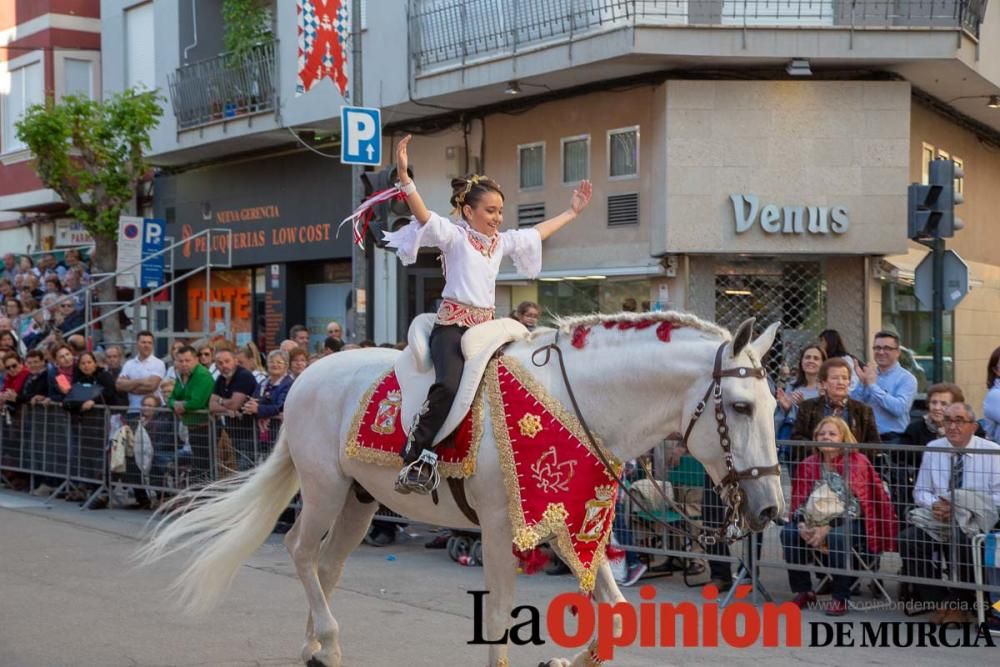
(69, 597)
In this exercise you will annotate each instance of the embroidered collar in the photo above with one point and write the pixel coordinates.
(484, 245)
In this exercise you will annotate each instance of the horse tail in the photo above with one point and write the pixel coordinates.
(223, 523)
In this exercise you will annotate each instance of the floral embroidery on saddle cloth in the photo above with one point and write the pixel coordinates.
(377, 434)
(556, 486)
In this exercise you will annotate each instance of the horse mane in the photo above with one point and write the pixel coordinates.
(567, 324)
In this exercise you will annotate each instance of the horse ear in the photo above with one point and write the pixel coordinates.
(765, 340)
(742, 336)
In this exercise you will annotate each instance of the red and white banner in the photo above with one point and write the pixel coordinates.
(324, 31)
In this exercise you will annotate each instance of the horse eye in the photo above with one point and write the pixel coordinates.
(743, 408)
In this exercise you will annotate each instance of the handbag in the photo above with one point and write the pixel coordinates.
(81, 393)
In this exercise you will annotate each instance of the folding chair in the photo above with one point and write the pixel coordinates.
(861, 561)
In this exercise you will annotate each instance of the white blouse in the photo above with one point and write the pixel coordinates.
(471, 260)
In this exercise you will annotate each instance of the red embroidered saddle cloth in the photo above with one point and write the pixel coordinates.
(377, 434)
(556, 485)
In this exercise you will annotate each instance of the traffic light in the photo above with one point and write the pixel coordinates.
(388, 216)
(931, 207)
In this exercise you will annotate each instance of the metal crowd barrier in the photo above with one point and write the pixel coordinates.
(88, 453)
(939, 555)
(149, 453)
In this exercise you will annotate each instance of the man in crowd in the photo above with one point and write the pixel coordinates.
(9, 269)
(192, 391)
(115, 358)
(300, 334)
(887, 387)
(947, 471)
(141, 375)
(233, 387)
(333, 330)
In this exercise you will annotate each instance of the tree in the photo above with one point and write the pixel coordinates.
(91, 154)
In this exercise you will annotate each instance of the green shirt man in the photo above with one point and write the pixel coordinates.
(193, 388)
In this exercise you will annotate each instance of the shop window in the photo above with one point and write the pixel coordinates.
(794, 293)
(564, 297)
(901, 313)
(531, 166)
(25, 87)
(623, 152)
(575, 159)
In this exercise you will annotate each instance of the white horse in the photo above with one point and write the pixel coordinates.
(632, 388)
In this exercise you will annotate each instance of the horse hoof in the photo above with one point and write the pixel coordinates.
(314, 662)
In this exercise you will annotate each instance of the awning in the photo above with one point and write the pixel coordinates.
(903, 266)
(594, 273)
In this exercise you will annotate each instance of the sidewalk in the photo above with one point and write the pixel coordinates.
(68, 596)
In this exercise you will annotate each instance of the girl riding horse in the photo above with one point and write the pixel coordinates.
(471, 249)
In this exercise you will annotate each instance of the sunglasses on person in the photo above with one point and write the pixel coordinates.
(11, 366)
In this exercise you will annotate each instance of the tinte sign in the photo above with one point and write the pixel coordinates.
(796, 219)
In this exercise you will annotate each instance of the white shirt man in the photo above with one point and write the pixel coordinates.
(142, 374)
(980, 471)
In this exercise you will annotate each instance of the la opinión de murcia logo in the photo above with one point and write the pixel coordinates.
(740, 624)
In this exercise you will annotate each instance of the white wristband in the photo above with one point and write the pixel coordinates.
(407, 188)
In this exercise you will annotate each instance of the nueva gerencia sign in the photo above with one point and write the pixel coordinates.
(773, 219)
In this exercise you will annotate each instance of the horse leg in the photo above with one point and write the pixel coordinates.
(319, 509)
(605, 591)
(344, 537)
(500, 572)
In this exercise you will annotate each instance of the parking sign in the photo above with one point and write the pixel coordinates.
(360, 136)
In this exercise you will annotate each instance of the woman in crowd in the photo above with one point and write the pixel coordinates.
(298, 360)
(206, 357)
(268, 403)
(527, 313)
(61, 373)
(248, 356)
(15, 375)
(804, 386)
(92, 388)
(833, 345)
(12, 308)
(991, 404)
(839, 505)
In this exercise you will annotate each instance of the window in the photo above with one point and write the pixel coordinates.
(575, 159)
(623, 152)
(26, 87)
(531, 165)
(78, 77)
(140, 55)
(959, 182)
(927, 154)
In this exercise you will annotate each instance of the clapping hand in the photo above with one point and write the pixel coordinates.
(581, 196)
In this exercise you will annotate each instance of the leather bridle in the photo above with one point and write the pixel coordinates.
(728, 488)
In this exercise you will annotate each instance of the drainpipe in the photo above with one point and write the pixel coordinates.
(194, 23)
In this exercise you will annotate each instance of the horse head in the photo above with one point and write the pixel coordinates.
(735, 438)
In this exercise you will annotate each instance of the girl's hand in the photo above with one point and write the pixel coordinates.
(402, 159)
(581, 196)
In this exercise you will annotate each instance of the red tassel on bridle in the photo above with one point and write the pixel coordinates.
(362, 215)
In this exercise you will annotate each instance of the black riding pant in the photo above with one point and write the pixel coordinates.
(449, 362)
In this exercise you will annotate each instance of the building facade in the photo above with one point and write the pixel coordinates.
(48, 49)
(754, 172)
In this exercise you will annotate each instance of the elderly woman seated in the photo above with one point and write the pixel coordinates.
(840, 507)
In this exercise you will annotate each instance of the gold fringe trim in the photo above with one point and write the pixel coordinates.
(456, 469)
(553, 522)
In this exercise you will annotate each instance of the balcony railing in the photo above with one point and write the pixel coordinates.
(449, 32)
(225, 87)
